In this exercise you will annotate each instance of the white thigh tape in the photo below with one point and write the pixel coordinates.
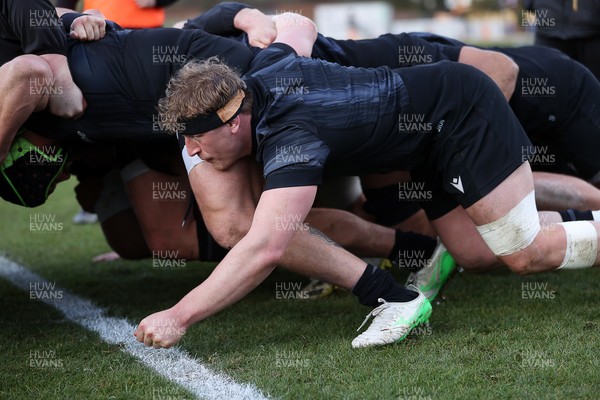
(582, 245)
(113, 198)
(133, 170)
(190, 162)
(515, 231)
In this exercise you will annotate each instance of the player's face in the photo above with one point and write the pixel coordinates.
(218, 147)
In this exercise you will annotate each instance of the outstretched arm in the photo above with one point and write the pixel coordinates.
(244, 267)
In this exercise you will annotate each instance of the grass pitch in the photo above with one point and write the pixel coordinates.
(496, 335)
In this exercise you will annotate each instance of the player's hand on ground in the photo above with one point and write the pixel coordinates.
(146, 3)
(259, 27)
(160, 330)
(70, 104)
(88, 28)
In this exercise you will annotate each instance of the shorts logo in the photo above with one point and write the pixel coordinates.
(84, 137)
(457, 183)
(440, 125)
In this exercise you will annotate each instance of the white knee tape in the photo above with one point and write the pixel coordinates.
(582, 245)
(515, 231)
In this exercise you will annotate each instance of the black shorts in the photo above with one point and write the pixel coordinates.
(558, 102)
(477, 141)
(583, 50)
(578, 137)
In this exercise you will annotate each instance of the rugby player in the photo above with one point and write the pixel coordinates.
(347, 123)
(554, 97)
(321, 258)
(134, 118)
(543, 118)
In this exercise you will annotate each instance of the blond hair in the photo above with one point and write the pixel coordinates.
(199, 88)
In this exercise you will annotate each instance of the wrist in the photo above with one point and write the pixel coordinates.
(183, 315)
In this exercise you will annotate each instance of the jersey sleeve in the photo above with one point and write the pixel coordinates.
(231, 52)
(218, 20)
(292, 155)
(442, 47)
(270, 55)
(36, 25)
(71, 4)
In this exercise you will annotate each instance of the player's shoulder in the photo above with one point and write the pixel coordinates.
(274, 53)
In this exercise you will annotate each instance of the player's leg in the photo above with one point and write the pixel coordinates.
(560, 192)
(342, 193)
(497, 189)
(25, 86)
(509, 223)
(161, 204)
(115, 214)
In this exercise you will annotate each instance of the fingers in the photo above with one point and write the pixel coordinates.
(88, 28)
(261, 40)
(150, 338)
(147, 337)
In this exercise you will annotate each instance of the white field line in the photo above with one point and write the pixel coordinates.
(174, 364)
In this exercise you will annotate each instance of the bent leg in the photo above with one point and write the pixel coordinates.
(524, 248)
(24, 84)
(160, 203)
(360, 237)
(460, 236)
(559, 192)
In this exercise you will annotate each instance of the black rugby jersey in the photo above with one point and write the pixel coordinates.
(547, 85)
(124, 75)
(29, 27)
(312, 116)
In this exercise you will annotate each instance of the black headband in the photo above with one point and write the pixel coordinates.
(205, 123)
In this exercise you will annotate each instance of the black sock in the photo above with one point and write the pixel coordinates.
(375, 283)
(576, 215)
(412, 250)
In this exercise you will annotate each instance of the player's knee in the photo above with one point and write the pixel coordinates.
(511, 236)
(229, 235)
(522, 263)
(29, 66)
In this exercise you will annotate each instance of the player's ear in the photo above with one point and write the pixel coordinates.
(234, 124)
